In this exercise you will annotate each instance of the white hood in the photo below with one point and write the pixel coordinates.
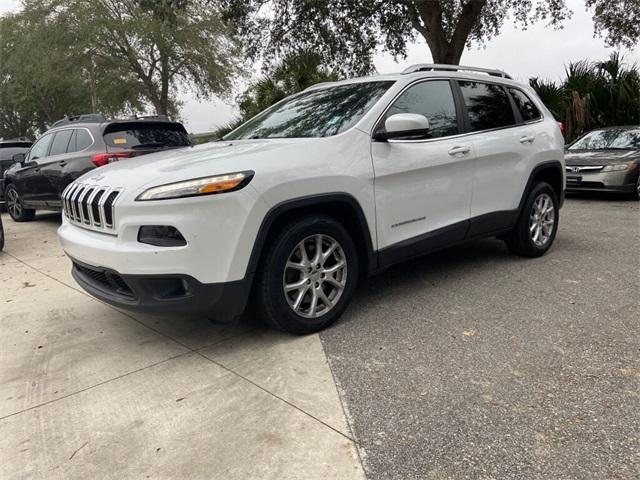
(192, 162)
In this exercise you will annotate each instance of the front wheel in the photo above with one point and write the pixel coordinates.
(15, 207)
(537, 226)
(308, 275)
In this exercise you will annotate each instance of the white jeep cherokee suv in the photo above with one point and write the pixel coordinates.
(331, 184)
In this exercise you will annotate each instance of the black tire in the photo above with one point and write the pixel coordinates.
(1, 235)
(635, 195)
(17, 213)
(520, 240)
(273, 305)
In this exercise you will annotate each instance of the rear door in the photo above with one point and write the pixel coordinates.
(74, 163)
(423, 187)
(503, 146)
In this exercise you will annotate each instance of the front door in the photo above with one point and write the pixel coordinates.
(30, 179)
(52, 168)
(423, 187)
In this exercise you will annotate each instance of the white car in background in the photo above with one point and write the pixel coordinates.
(336, 182)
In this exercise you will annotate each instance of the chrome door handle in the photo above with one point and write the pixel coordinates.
(527, 139)
(459, 150)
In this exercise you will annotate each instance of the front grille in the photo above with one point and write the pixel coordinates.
(584, 168)
(91, 206)
(109, 281)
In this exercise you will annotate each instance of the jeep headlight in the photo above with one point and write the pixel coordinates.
(228, 182)
(619, 167)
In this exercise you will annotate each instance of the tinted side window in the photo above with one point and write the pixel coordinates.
(72, 143)
(488, 105)
(60, 142)
(434, 100)
(41, 147)
(83, 139)
(527, 108)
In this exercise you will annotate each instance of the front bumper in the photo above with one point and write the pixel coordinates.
(170, 294)
(623, 181)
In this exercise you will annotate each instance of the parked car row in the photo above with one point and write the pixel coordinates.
(37, 176)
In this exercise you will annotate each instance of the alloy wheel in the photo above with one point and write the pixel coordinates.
(13, 203)
(542, 220)
(315, 276)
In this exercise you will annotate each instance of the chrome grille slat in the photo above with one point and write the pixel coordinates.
(92, 220)
(85, 205)
(74, 203)
(65, 199)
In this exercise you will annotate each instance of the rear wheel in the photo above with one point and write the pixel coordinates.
(635, 195)
(537, 226)
(16, 209)
(308, 275)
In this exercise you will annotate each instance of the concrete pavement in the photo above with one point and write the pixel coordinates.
(88, 391)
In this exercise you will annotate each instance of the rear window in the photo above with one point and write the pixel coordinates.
(140, 135)
(488, 106)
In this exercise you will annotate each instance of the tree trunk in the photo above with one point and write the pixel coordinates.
(427, 18)
(446, 53)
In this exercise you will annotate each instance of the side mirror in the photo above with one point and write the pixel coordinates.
(18, 158)
(402, 125)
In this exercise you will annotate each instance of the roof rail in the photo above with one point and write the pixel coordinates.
(84, 118)
(426, 67)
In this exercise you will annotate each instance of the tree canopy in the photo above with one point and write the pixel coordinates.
(347, 32)
(67, 57)
(593, 94)
(164, 44)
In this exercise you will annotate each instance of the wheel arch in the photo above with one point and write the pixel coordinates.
(551, 172)
(341, 206)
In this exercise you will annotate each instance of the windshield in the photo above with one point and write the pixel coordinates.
(317, 113)
(611, 139)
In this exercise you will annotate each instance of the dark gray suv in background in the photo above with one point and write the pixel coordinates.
(76, 145)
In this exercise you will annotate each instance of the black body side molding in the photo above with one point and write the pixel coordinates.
(487, 225)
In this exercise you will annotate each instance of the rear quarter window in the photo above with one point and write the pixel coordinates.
(525, 106)
(132, 135)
